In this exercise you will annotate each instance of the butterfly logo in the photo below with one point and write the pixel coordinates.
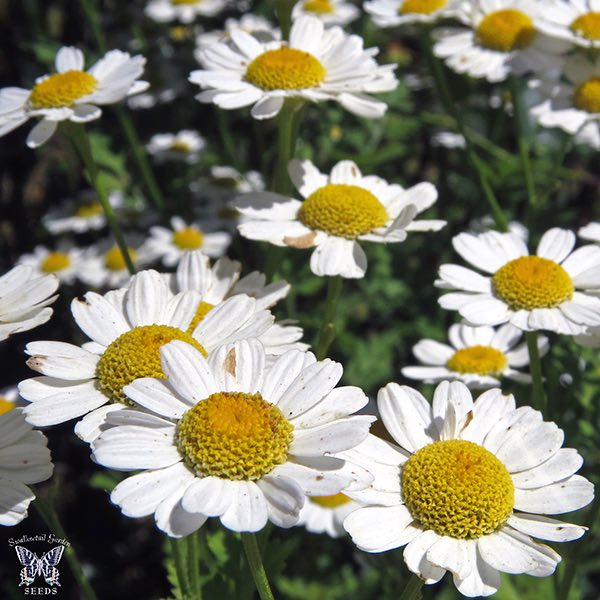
(34, 566)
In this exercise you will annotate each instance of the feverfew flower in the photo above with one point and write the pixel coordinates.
(24, 298)
(392, 13)
(24, 459)
(186, 11)
(547, 291)
(229, 437)
(316, 65)
(467, 487)
(183, 146)
(503, 38)
(71, 94)
(331, 12)
(577, 21)
(66, 262)
(170, 245)
(339, 211)
(477, 356)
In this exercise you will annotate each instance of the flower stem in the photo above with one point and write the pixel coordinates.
(82, 145)
(327, 330)
(535, 365)
(443, 90)
(47, 512)
(412, 591)
(283, 8)
(256, 566)
(288, 122)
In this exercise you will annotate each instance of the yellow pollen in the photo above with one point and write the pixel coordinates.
(135, 354)
(343, 210)
(285, 69)
(180, 146)
(532, 282)
(89, 210)
(55, 261)
(62, 89)
(330, 501)
(587, 26)
(457, 489)
(506, 30)
(5, 405)
(188, 238)
(233, 435)
(114, 260)
(424, 7)
(203, 309)
(483, 360)
(587, 95)
(321, 7)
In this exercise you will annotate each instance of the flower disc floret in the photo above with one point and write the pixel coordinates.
(135, 354)
(319, 7)
(114, 259)
(62, 89)
(201, 311)
(5, 405)
(55, 262)
(89, 210)
(180, 146)
(188, 238)
(531, 282)
(587, 26)
(234, 435)
(342, 210)
(506, 30)
(423, 7)
(587, 95)
(330, 501)
(483, 360)
(184, 2)
(458, 489)
(285, 69)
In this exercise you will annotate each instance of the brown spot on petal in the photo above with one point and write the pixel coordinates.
(230, 362)
(302, 241)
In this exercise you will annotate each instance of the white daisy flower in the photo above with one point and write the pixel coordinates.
(503, 38)
(316, 65)
(185, 11)
(467, 487)
(229, 437)
(544, 291)
(24, 459)
(183, 146)
(66, 262)
(331, 12)
(478, 356)
(577, 21)
(24, 298)
(170, 245)
(71, 94)
(126, 327)
(339, 210)
(590, 232)
(392, 13)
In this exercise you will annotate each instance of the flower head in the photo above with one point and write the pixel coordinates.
(331, 12)
(66, 262)
(577, 21)
(185, 146)
(393, 13)
(185, 11)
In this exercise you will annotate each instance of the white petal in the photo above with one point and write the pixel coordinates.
(69, 59)
(451, 403)
(556, 244)
(41, 133)
(561, 465)
(415, 557)
(284, 498)
(545, 528)
(98, 319)
(248, 507)
(555, 499)
(207, 495)
(156, 395)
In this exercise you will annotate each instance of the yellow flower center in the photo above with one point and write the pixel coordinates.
(233, 435)
(483, 360)
(62, 89)
(202, 310)
(587, 95)
(188, 238)
(321, 7)
(506, 30)
(532, 282)
(330, 501)
(343, 210)
(424, 7)
(5, 405)
(285, 69)
(55, 261)
(184, 2)
(89, 210)
(135, 354)
(180, 146)
(457, 489)
(114, 260)
(587, 26)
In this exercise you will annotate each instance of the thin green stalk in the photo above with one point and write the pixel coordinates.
(227, 139)
(256, 566)
(180, 559)
(81, 142)
(48, 514)
(193, 562)
(443, 90)
(288, 123)
(412, 591)
(283, 8)
(327, 331)
(535, 365)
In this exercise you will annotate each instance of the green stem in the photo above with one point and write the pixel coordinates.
(81, 142)
(48, 514)
(283, 8)
(443, 90)
(193, 562)
(229, 143)
(535, 365)
(256, 566)
(180, 558)
(327, 331)
(288, 123)
(412, 591)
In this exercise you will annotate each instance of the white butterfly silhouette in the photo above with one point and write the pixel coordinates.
(34, 566)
